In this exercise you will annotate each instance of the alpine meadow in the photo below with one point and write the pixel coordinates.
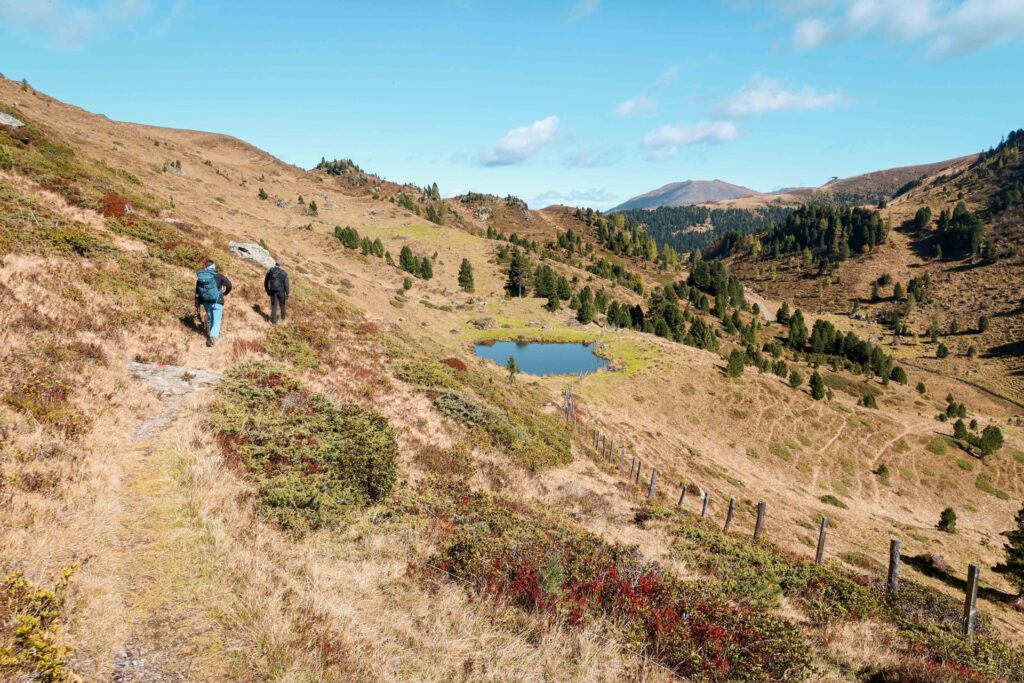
(448, 372)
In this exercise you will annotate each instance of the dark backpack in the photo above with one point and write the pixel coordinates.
(276, 280)
(207, 287)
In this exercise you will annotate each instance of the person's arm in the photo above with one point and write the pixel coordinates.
(225, 283)
(287, 286)
(266, 282)
(197, 295)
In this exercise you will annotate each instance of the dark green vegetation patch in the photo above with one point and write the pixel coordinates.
(312, 459)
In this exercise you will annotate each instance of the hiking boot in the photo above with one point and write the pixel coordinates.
(210, 342)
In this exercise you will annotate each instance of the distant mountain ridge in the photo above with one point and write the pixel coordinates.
(687, 193)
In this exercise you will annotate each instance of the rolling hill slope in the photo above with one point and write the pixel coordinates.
(327, 500)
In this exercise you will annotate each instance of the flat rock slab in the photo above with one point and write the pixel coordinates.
(173, 380)
(10, 121)
(252, 252)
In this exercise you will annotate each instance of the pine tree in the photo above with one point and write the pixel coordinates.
(947, 521)
(263, 194)
(1013, 567)
(991, 440)
(982, 324)
(797, 330)
(737, 361)
(554, 303)
(406, 260)
(426, 269)
(519, 271)
(513, 368)
(795, 379)
(466, 275)
(817, 386)
(585, 313)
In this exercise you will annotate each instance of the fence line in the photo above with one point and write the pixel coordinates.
(895, 545)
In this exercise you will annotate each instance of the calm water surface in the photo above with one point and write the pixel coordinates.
(544, 359)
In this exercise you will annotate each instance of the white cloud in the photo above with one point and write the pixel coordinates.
(665, 141)
(644, 104)
(520, 144)
(583, 9)
(636, 106)
(759, 95)
(945, 28)
(71, 25)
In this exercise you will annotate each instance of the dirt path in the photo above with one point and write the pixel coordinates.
(156, 548)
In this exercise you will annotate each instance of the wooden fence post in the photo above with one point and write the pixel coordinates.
(759, 526)
(819, 557)
(704, 509)
(970, 609)
(654, 481)
(728, 515)
(893, 582)
(637, 478)
(682, 496)
(632, 468)
(622, 456)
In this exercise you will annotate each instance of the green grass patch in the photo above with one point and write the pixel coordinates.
(779, 450)
(829, 499)
(312, 460)
(983, 483)
(938, 446)
(965, 465)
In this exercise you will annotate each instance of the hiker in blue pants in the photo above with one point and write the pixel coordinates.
(211, 288)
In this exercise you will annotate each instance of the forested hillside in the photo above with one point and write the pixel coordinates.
(686, 228)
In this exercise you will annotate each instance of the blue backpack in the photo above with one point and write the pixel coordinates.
(206, 286)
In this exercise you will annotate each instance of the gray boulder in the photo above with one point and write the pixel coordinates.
(9, 121)
(252, 252)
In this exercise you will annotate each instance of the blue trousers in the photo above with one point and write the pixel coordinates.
(213, 316)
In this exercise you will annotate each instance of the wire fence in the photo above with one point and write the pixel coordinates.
(603, 449)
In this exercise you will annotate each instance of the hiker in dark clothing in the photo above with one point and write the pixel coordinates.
(277, 286)
(211, 288)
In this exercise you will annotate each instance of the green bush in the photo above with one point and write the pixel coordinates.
(311, 459)
(829, 499)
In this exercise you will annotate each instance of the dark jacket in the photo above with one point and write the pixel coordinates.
(223, 284)
(283, 278)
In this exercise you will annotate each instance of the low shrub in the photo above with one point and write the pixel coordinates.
(544, 566)
(30, 617)
(311, 459)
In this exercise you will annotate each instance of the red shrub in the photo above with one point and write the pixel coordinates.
(455, 364)
(115, 206)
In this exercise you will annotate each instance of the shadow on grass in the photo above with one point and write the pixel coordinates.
(924, 565)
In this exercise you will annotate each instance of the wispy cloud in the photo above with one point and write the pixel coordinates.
(520, 144)
(598, 195)
(71, 25)
(944, 28)
(583, 9)
(644, 103)
(760, 95)
(665, 141)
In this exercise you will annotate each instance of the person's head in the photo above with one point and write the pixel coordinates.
(210, 265)
(279, 264)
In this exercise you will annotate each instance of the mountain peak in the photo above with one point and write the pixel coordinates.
(687, 192)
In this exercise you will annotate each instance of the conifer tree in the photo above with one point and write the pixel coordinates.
(406, 260)
(426, 269)
(513, 368)
(947, 521)
(817, 386)
(466, 275)
(1013, 566)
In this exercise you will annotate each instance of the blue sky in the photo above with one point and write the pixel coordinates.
(585, 102)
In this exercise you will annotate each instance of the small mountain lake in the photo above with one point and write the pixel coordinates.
(544, 359)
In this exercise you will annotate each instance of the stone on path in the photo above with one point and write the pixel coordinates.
(252, 252)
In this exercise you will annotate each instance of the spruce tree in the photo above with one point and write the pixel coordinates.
(817, 386)
(737, 361)
(513, 368)
(426, 269)
(1013, 567)
(585, 313)
(466, 276)
(947, 521)
(406, 260)
(554, 303)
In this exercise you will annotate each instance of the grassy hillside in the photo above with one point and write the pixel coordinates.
(326, 500)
